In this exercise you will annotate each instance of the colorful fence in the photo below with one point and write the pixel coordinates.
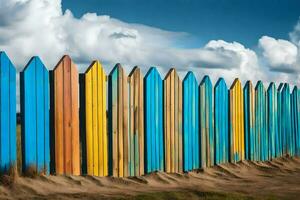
(8, 155)
(152, 125)
(65, 118)
(35, 104)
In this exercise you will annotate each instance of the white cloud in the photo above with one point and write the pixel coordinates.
(40, 27)
(281, 55)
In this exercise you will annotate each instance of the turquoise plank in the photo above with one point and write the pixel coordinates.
(153, 101)
(295, 102)
(221, 123)
(34, 84)
(279, 148)
(288, 145)
(272, 119)
(7, 114)
(206, 123)
(261, 121)
(190, 123)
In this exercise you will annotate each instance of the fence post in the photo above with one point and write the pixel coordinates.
(34, 85)
(153, 96)
(272, 120)
(93, 120)
(173, 121)
(237, 150)
(221, 114)
(295, 98)
(65, 117)
(7, 114)
(136, 122)
(190, 122)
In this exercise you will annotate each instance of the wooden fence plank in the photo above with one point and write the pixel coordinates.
(261, 120)
(153, 84)
(190, 123)
(279, 148)
(206, 123)
(93, 109)
(7, 114)
(66, 117)
(118, 115)
(236, 122)
(295, 103)
(172, 94)
(34, 84)
(272, 120)
(221, 113)
(136, 130)
(249, 113)
(288, 144)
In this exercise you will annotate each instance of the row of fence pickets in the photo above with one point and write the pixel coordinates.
(152, 124)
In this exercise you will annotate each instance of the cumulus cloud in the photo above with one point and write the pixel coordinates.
(40, 27)
(281, 55)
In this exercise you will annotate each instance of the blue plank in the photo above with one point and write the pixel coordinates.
(279, 148)
(221, 126)
(272, 119)
(286, 121)
(190, 123)
(295, 102)
(7, 113)
(35, 116)
(153, 97)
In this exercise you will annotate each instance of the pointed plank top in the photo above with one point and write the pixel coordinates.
(171, 72)
(221, 82)
(135, 70)
(95, 64)
(35, 61)
(206, 80)
(280, 87)
(65, 59)
(259, 85)
(5, 61)
(295, 89)
(152, 72)
(235, 83)
(190, 75)
(272, 86)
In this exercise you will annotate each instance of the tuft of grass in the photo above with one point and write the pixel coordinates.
(9, 178)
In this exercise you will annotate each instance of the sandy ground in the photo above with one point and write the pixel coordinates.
(279, 179)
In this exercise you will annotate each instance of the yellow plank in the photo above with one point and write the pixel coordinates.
(104, 130)
(100, 93)
(180, 152)
(141, 123)
(172, 135)
(176, 142)
(125, 124)
(95, 119)
(89, 119)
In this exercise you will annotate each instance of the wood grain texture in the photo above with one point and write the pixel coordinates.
(136, 127)
(221, 113)
(34, 83)
(190, 123)
(118, 115)
(272, 120)
(8, 157)
(237, 151)
(206, 123)
(66, 117)
(172, 122)
(95, 132)
(153, 108)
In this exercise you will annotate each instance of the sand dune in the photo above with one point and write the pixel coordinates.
(277, 179)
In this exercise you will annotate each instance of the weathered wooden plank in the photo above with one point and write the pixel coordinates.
(172, 94)
(190, 123)
(94, 119)
(118, 108)
(261, 120)
(236, 122)
(295, 103)
(136, 131)
(249, 113)
(221, 113)
(154, 121)
(34, 82)
(272, 119)
(286, 121)
(206, 123)
(279, 148)
(66, 117)
(7, 114)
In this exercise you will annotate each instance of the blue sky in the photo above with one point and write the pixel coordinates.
(252, 40)
(244, 21)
